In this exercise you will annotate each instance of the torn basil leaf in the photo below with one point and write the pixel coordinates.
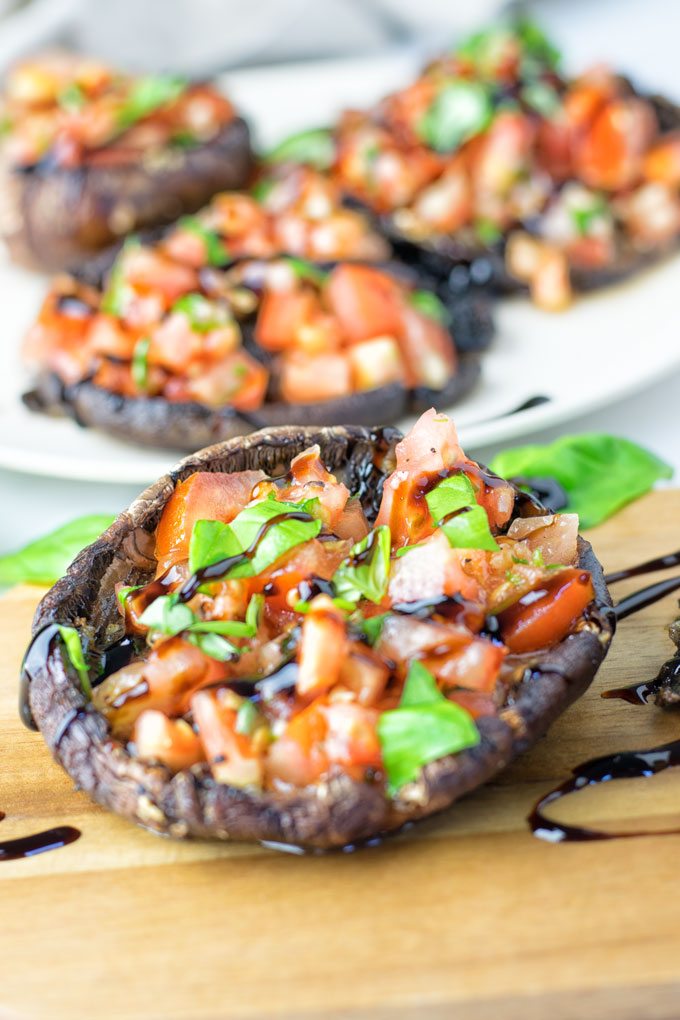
(461, 110)
(167, 615)
(213, 645)
(454, 509)
(365, 572)
(216, 251)
(74, 650)
(117, 290)
(306, 270)
(315, 148)
(148, 94)
(599, 473)
(427, 303)
(140, 363)
(426, 726)
(203, 315)
(371, 626)
(246, 718)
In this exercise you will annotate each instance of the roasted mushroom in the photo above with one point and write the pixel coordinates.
(294, 677)
(88, 154)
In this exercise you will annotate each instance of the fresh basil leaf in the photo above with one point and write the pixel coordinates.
(203, 315)
(371, 626)
(216, 251)
(233, 628)
(74, 650)
(427, 303)
(315, 148)
(214, 646)
(542, 98)
(212, 541)
(147, 95)
(246, 718)
(470, 530)
(426, 726)
(72, 98)
(599, 473)
(449, 495)
(123, 593)
(584, 216)
(461, 110)
(140, 363)
(117, 290)
(46, 559)
(167, 616)
(262, 189)
(487, 232)
(254, 613)
(535, 43)
(306, 270)
(365, 572)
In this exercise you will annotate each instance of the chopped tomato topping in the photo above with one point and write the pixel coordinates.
(546, 616)
(170, 742)
(367, 302)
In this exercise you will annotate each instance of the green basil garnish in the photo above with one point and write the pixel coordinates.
(426, 726)
(371, 626)
(203, 315)
(365, 573)
(72, 98)
(167, 615)
(147, 95)
(117, 290)
(315, 148)
(542, 98)
(469, 528)
(427, 303)
(140, 363)
(212, 541)
(213, 645)
(46, 559)
(599, 473)
(461, 110)
(246, 718)
(74, 650)
(216, 251)
(123, 593)
(487, 232)
(306, 270)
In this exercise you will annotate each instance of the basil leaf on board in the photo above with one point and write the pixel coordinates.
(469, 528)
(426, 726)
(365, 572)
(462, 109)
(167, 616)
(46, 559)
(315, 148)
(74, 650)
(140, 363)
(212, 541)
(427, 303)
(203, 315)
(216, 251)
(599, 473)
(148, 94)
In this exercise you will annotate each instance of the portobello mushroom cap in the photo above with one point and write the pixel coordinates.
(477, 265)
(53, 218)
(339, 810)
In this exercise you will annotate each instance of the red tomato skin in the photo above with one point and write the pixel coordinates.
(529, 625)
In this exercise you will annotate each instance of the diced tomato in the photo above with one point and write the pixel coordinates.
(172, 670)
(231, 755)
(539, 620)
(446, 205)
(651, 213)
(108, 336)
(662, 162)
(475, 667)
(351, 739)
(237, 381)
(205, 495)
(313, 559)
(430, 570)
(283, 313)
(554, 535)
(148, 270)
(364, 673)
(323, 647)
(299, 756)
(427, 349)
(550, 285)
(554, 147)
(501, 154)
(186, 246)
(311, 480)
(306, 380)
(366, 301)
(610, 153)
(375, 363)
(172, 742)
(404, 638)
(352, 523)
(237, 214)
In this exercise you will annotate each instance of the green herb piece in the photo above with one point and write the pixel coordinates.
(184, 139)
(488, 48)
(212, 541)
(487, 232)
(305, 270)
(140, 363)
(46, 559)
(203, 315)
(117, 289)
(426, 726)
(469, 527)
(427, 303)
(371, 626)
(167, 615)
(586, 215)
(213, 645)
(5, 124)
(535, 44)
(72, 98)
(261, 190)
(147, 95)
(542, 98)
(216, 251)
(123, 593)
(600, 473)
(461, 110)
(246, 718)
(254, 613)
(365, 572)
(315, 148)
(74, 650)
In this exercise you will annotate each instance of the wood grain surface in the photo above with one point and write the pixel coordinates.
(468, 915)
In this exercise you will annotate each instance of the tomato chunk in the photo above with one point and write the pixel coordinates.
(206, 495)
(543, 617)
(231, 755)
(172, 742)
(367, 302)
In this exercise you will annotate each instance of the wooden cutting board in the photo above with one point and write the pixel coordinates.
(468, 915)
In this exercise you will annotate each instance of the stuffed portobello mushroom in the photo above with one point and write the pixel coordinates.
(89, 154)
(493, 168)
(180, 346)
(313, 636)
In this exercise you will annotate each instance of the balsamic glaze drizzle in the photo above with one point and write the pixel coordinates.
(648, 567)
(37, 842)
(645, 597)
(621, 765)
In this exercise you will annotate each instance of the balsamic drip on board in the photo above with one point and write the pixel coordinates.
(37, 842)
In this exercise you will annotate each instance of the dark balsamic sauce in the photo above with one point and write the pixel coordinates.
(281, 681)
(666, 680)
(115, 657)
(648, 567)
(34, 660)
(37, 842)
(622, 765)
(645, 597)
